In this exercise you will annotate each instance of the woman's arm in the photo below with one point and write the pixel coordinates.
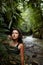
(21, 46)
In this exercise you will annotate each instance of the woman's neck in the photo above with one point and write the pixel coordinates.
(15, 41)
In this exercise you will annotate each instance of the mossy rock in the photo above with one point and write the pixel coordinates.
(36, 34)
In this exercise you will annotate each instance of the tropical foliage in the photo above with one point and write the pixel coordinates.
(25, 14)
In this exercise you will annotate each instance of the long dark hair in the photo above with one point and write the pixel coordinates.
(20, 34)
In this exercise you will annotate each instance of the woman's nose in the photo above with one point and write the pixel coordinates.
(13, 34)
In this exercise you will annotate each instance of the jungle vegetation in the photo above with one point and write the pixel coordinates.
(24, 14)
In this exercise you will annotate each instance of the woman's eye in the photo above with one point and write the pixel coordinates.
(16, 33)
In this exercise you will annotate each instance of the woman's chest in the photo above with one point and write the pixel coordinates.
(14, 49)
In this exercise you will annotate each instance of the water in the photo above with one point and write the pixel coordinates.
(34, 49)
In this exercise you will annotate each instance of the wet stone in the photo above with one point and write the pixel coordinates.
(34, 49)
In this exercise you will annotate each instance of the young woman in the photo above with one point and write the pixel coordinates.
(16, 48)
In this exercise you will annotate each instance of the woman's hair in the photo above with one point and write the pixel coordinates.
(20, 34)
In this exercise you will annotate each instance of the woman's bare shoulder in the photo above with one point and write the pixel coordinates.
(21, 45)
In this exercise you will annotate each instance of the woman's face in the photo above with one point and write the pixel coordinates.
(15, 34)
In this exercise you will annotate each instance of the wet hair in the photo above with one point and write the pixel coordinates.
(20, 34)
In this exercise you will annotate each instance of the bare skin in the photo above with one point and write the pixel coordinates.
(21, 47)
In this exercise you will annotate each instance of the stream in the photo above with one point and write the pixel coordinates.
(34, 49)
